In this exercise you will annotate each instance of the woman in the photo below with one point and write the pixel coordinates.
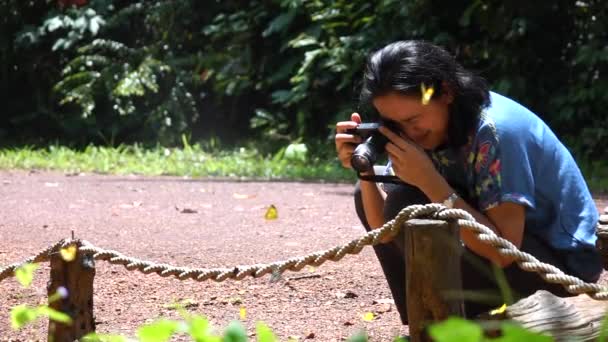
(455, 142)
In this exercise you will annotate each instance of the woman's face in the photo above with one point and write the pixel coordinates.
(426, 125)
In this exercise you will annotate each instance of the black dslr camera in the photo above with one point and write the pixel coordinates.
(366, 153)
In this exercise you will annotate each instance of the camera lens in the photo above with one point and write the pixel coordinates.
(365, 154)
(361, 162)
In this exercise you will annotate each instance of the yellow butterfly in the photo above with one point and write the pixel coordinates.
(427, 93)
(271, 213)
(243, 313)
(368, 316)
(68, 253)
(499, 311)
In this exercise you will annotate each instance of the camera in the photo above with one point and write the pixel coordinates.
(366, 153)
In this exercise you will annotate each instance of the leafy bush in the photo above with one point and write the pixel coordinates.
(282, 70)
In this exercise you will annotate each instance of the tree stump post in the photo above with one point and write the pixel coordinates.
(433, 280)
(76, 276)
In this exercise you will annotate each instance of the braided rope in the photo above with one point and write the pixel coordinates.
(465, 220)
(42, 256)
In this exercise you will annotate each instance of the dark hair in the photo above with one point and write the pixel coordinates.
(404, 65)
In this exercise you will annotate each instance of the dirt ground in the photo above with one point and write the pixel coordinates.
(198, 223)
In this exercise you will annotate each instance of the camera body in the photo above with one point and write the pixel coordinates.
(366, 153)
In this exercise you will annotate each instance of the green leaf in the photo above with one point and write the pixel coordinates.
(456, 329)
(25, 274)
(22, 315)
(94, 337)
(53, 24)
(360, 336)
(54, 315)
(264, 333)
(296, 152)
(200, 329)
(235, 332)
(279, 23)
(159, 331)
(515, 333)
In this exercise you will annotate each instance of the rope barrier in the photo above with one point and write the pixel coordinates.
(390, 229)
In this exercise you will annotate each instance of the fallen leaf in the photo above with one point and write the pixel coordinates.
(272, 213)
(186, 210)
(350, 294)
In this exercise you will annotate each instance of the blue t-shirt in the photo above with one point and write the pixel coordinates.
(513, 156)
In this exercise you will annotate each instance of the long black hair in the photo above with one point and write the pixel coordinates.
(403, 66)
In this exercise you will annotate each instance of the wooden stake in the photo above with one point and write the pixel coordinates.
(76, 277)
(432, 259)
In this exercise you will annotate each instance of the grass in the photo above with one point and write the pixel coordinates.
(197, 161)
(190, 160)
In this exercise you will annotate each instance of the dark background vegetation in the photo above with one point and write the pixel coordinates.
(116, 71)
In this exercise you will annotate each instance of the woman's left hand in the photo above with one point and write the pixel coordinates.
(409, 161)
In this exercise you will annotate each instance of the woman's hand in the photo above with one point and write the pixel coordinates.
(409, 161)
(346, 143)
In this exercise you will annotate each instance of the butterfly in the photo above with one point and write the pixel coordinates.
(271, 213)
(427, 93)
(68, 253)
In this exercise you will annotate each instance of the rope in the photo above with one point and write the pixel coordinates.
(464, 220)
(42, 256)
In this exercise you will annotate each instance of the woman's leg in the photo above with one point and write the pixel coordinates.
(482, 284)
(390, 255)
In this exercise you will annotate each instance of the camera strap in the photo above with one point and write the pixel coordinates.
(380, 179)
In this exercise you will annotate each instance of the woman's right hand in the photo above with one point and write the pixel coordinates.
(346, 143)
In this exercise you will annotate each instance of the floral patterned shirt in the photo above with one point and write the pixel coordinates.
(513, 156)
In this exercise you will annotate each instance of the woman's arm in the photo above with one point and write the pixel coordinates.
(506, 220)
(373, 203)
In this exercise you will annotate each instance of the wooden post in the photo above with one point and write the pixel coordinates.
(76, 277)
(432, 259)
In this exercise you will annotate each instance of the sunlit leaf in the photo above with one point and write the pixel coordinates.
(264, 333)
(515, 333)
(272, 213)
(22, 315)
(159, 331)
(456, 329)
(235, 332)
(25, 274)
(360, 336)
(94, 337)
(200, 330)
(54, 315)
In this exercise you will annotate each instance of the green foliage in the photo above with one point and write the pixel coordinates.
(284, 71)
(457, 329)
(25, 274)
(194, 160)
